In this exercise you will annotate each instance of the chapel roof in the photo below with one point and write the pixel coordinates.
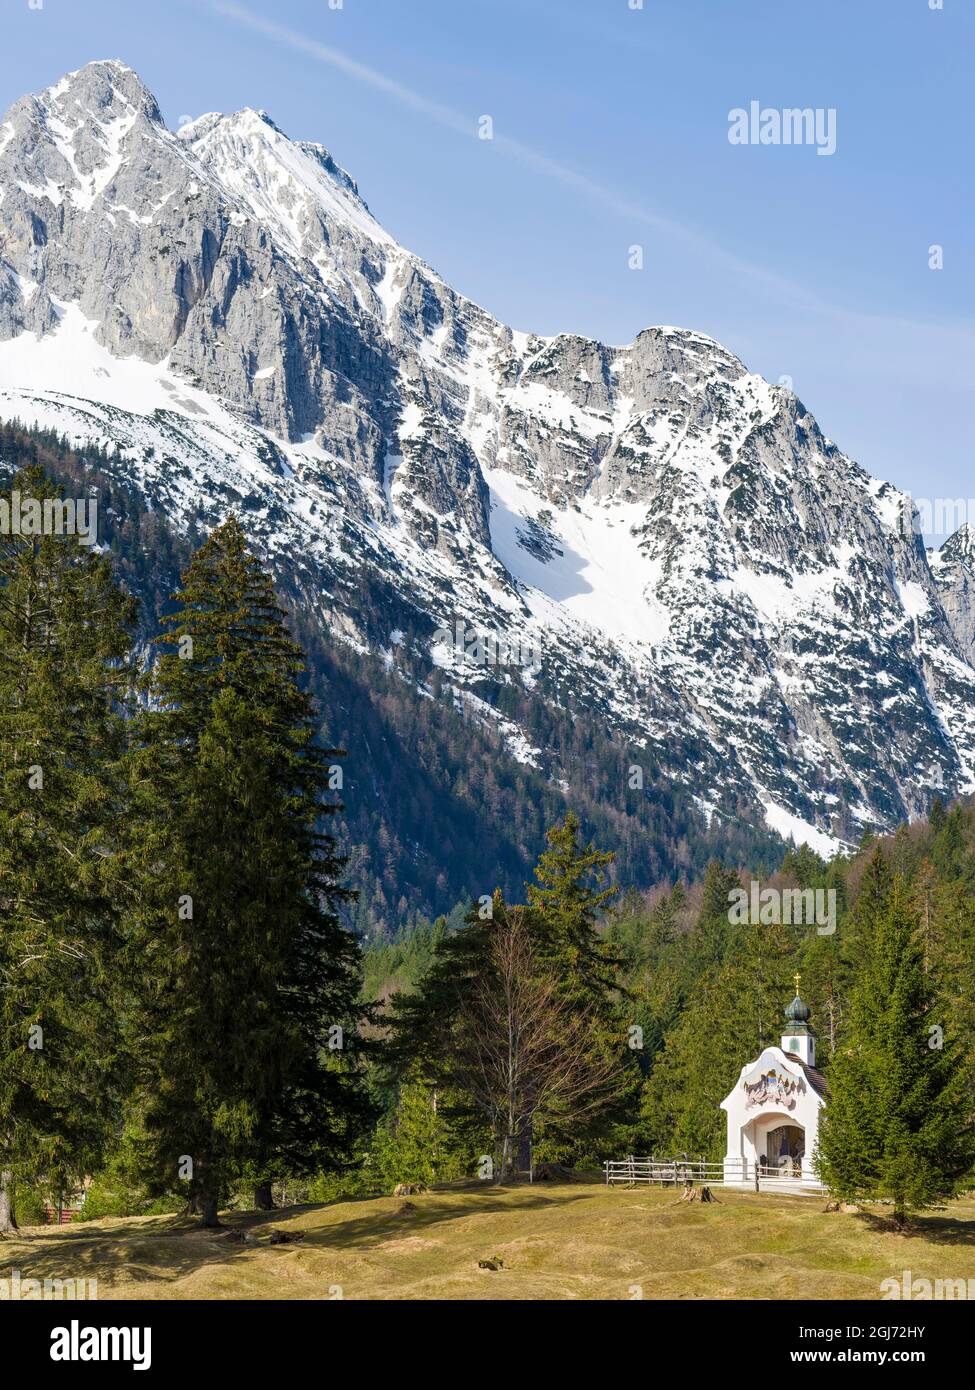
(815, 1078)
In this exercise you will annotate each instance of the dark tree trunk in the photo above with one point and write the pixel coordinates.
(504, 1166)
(208, 1212)
(524, 1161)
(8, 1221)
(263, 1197)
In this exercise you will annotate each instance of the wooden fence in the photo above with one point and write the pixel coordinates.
(675, 1172)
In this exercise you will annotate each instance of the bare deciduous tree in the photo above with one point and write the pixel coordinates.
(517, 1049)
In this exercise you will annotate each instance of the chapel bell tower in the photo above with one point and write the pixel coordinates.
(800, 1038)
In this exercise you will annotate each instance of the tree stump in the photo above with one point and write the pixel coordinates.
(239, 1237)
(552, 1172)
(696, 1194)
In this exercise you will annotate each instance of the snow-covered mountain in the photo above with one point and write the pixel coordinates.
(706, 574)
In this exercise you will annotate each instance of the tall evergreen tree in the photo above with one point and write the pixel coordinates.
(564, 918)
(898, 1123)
(872, 892)
(566, 901)
(696, 1068)
(420, 1020)
(756, 981)
(249, 1020)
(64, 637)
(655, 948)
(709, 940)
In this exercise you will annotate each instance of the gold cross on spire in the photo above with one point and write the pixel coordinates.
(797, 978)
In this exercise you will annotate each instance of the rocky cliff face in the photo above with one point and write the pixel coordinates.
(705, 573)
(953, 568)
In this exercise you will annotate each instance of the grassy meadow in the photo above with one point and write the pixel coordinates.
(576, 1240)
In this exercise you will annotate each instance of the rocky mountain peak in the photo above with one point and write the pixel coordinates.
(288, 185)
(959, 548)
(101, 91)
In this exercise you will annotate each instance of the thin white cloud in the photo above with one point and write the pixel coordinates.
(872, 328)
(465, 125)
(325, 53)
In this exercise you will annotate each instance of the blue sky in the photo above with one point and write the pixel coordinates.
(611, 130)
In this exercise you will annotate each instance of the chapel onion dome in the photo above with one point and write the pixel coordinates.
(797, 1011)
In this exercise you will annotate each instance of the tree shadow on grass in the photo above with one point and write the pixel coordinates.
(366, 1232)
(144, 1254)
(164, 1253)
(940, 1230)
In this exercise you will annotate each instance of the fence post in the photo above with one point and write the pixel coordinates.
(756, 1174)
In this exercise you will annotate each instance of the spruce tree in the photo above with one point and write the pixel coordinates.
(756, 982)
(658, 974)
(64, 637)
(416, 1143)
(420, 1020)
(898, 1122)
(708, 944)
(566, 901)
(692, 1074)
(250, 1006)
(564, 909)
(872, 893)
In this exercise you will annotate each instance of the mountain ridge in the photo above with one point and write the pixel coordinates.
(744, 609)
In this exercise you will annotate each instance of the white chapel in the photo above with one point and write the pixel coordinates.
(774, 1110)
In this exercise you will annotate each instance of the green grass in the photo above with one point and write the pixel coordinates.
(576, 1240)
